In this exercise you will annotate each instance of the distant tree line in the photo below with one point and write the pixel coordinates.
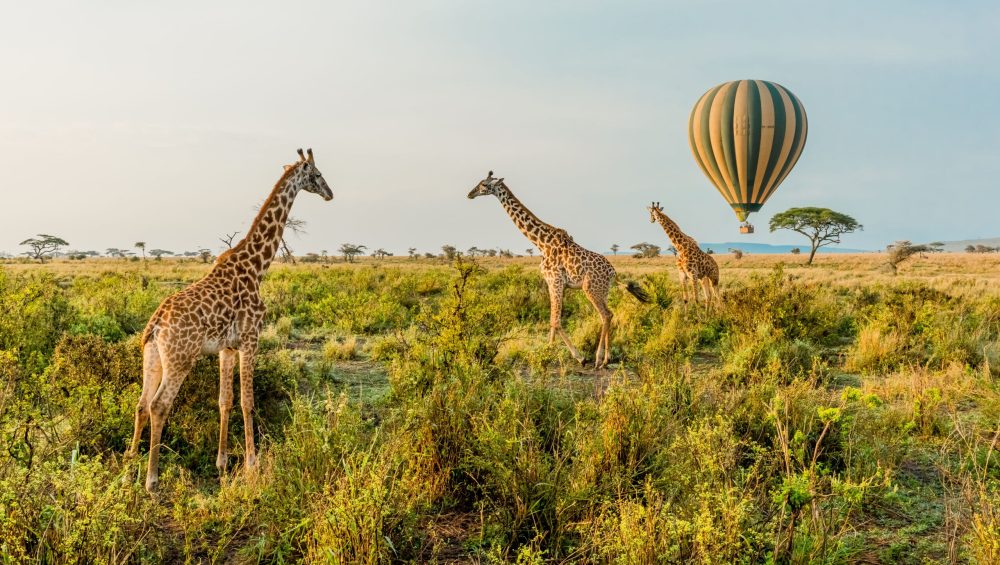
(981, 249)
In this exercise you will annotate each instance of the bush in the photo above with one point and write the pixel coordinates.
(737, 433)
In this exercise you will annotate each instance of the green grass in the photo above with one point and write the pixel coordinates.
(414, 412)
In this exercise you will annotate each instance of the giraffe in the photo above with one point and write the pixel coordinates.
(565, 264)
(221, 313)
(693, 264)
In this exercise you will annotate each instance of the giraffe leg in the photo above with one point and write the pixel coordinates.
(248, 353)
(556, 289)
(174, 373)
(600, 303)
(152, 372)
(684, 286)
(705, 285)
(227, 361)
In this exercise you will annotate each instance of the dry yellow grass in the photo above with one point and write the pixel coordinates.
(956, 273)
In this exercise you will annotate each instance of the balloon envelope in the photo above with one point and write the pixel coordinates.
(746, 136)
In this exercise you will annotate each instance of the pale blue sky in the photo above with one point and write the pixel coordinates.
(168, 122)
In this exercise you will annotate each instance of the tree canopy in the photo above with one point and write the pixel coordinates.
(350, 250)
(901, 251)
(822, 226)
(646, 250)
(43, 246)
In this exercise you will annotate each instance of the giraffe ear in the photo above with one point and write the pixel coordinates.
(287, 167)
(501, 179)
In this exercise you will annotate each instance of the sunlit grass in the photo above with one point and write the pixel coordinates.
(831, 413)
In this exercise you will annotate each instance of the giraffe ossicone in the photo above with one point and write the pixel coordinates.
(220, 313)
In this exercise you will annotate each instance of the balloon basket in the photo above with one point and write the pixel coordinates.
(746, 228)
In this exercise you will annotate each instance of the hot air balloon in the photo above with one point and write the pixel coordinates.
(746, 136)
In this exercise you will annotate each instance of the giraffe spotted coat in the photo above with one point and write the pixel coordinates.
(565, 264)
(221, 313)
(693, 264)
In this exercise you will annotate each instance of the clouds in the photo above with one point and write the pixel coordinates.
(190, 110)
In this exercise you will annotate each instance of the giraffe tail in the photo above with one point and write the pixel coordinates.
(636, 290)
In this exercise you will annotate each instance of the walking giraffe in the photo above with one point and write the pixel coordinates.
(221, 313)
(564, 264)
(693, 264)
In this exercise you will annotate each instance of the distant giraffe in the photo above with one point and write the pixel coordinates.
(693, 264)
(564, 264)
(223, 313)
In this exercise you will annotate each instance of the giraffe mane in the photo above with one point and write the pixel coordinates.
(266, 205)
(545, 224)
(224, 256)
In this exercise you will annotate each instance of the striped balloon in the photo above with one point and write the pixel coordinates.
(746, 136)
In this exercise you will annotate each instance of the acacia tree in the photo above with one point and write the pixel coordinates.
(350, 250)
(901, 251)
(449, 251)
(381, 253)
(159, 253)
(141, 246)
(822, 226)
(614, 248)
(413, 252)
(646, 250)
(43, 246)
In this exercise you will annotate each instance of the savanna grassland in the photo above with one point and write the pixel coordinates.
(412, 411)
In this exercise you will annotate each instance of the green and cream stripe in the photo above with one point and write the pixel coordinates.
(746, 136)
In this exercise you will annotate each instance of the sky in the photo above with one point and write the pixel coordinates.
(168, 123)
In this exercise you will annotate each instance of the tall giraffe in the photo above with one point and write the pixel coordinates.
(693, 264)
(221, 313)
(564, 264)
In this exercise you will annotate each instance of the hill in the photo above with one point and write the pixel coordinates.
(961, 245)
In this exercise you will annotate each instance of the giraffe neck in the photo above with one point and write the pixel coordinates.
(260, 245)
(680, 239)
(540, 233)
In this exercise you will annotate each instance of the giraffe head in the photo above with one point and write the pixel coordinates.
(654, 210)
(488, 185)
(308, 177)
